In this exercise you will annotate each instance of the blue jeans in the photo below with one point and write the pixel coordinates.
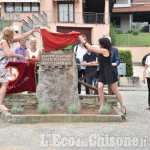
(91, 80)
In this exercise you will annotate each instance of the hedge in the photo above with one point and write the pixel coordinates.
(126, 57)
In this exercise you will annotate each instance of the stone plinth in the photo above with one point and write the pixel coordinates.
(58, 80)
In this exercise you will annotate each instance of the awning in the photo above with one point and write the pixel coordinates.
(20, 1)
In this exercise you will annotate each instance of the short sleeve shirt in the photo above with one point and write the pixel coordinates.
(80, 51)
(148, 67)
(90, 58)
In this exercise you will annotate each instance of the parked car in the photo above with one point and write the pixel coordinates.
(144, 59)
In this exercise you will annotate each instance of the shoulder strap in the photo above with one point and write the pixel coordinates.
(76, 49)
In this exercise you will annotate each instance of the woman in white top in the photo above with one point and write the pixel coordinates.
(32, 53)
(6, 40)
(146, 74)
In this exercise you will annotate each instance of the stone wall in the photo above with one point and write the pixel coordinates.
(30, 100)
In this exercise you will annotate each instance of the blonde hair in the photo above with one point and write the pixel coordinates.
(6, 35)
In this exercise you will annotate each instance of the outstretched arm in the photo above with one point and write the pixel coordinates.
(94, 49)
(26, 34)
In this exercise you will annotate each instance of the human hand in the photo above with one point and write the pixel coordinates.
(36, 29)
(27, 59)
(143, 80)
(114, 64)
(81, 39)
(21, 56)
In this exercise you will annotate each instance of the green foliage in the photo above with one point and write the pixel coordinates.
(113, 33)
(136, 32)
(105, 109)
(119, 32)
(73, 109)
(43, 108)
(145, 29)
(17, 108)
(129, 32)
(5, 23)
(126, 57)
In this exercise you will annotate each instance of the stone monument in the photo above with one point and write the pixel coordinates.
(58, 80)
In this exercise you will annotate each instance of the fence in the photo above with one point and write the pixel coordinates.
(129, 40)
(76, 17)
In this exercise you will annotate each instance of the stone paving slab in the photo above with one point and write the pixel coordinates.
(40, 136)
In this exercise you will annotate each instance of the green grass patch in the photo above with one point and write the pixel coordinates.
(143, 40)
(5, 23)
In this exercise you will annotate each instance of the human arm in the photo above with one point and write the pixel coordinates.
(16, 59)
(16, 39)
(8, 52)
(116, 57)
(98, 50)
(144, 73)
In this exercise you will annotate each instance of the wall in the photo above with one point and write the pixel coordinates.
(97, 30)
(137, 52)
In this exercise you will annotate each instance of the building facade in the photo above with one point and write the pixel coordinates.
(91, 18)
(131, 14)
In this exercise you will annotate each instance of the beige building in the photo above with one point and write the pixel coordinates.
(90, 17)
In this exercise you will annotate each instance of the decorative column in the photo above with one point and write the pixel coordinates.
(106, 15)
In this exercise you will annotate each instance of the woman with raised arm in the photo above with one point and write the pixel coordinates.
(6, 41)
(107, 73)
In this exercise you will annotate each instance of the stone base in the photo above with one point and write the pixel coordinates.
(61, 118)
(58, 85)
(29, 100)
(129, 82)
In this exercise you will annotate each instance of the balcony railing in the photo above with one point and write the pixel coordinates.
(77, 17)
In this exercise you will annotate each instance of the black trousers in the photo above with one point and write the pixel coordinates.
(80, 74)
(148, 84)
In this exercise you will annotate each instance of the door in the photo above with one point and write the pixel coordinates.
(83, 31)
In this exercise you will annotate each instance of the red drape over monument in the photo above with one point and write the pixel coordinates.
(55, 41)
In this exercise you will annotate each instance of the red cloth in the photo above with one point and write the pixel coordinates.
(55, 41)
(26, 80)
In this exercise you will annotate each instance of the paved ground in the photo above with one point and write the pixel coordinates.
(132, 134)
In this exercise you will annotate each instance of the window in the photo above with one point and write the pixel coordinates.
(26, 7)
(116, 21)
(18, 6)
(66, 12)
(22, 7)
(9, 7)
(35, 7)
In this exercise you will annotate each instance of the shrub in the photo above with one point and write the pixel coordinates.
(17, 108)
(73, 109)
(119, 32)
(145, 29)
(113, 33)
(43, 108)
(105, 109)
(136, 32)
(126, 57)
(129, 32)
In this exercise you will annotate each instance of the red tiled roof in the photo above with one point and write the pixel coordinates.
(133, 8)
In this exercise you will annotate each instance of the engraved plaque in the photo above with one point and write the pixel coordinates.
(57, 58)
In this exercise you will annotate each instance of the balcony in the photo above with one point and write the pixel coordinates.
(77, 17)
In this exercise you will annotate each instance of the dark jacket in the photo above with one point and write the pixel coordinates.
(115, 58)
